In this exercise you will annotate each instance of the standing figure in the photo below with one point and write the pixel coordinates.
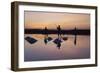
(59, 30)
(46, 35)
(75, 33)
(46, 30)
(59, 37)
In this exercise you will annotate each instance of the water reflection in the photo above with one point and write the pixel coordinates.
(58, 40)
(30, 40)
(57, 48)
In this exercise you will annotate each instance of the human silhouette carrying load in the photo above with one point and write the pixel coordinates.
(58, 41)
(59, 30)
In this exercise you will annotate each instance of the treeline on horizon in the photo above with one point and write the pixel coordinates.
(54, 31)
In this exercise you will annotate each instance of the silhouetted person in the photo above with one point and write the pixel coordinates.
(75, 30)
(75, 33)
(46, 35)
(46, 30)
(59, 37)
(59, 30)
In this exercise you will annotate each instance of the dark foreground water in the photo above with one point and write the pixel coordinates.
(71, 48)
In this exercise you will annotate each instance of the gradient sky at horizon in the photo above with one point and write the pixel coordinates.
(39, 20)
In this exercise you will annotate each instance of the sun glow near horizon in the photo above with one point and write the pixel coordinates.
(39, 20)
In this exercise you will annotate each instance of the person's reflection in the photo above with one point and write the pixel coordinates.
(75, 40)
(59, 44)
(45, 40)
(58, 41)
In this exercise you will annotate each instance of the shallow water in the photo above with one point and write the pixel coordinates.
(69, 49)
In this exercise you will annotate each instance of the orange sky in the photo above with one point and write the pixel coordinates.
(39, 20)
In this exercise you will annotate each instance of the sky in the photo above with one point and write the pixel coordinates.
(40, 20)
